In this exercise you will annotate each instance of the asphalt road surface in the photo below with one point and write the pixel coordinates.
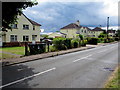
(83, 69)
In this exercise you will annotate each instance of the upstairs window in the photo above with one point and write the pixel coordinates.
(26, 27)
(13, 38)
(14, 26)
(33, 27)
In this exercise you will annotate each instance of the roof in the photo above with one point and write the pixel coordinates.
(71, 26)
(88, 28)
(33, 22)
(98, 29)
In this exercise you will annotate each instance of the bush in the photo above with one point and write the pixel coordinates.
(53, 49)
(68, 43)
(59, 43)
(92, 40)
(100, 40)
(75, 43)
(110, 39)
(83, 42)
(116, 39)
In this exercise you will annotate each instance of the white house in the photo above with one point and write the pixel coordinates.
(25, 30)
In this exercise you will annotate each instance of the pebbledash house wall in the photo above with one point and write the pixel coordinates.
(70, 33)
(20, 32)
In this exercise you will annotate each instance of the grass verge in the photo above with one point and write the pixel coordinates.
(6, 56)
(14, 50)
(114, 80)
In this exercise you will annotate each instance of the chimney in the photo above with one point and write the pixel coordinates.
(78, 22)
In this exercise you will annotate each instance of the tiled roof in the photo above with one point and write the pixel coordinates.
(88, 28)
(98, 29)
(34, 23)
(71, 26)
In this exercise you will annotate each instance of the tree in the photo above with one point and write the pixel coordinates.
(10, 10)
(117, 33)
(81, 37)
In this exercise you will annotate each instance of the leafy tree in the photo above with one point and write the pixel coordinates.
(10, 10)
(117, 33)
(44, 35)
(80, 36)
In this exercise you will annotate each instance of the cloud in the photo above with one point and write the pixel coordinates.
(54, 14)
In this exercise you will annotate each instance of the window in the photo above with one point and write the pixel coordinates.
(25, 26)
(25, 38)
(14, 26)
(34, 37)
(13, 38)
(33, 27)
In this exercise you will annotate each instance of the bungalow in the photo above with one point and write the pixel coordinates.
(25, 30)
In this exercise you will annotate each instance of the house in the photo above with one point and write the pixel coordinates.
(56, 34)
(25, 30)
(111, 33)
(73, 29)
(97, 31)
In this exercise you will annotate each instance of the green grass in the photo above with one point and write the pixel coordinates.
(114, 80)
(14, 50)
(6, 56)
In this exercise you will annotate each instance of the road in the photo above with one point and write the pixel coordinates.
(83, 69)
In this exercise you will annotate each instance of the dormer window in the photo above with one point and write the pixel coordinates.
(25, 26)
(14, 26)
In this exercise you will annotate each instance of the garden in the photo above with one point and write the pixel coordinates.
(56, 44)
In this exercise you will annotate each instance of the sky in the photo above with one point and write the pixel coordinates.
(55, 14)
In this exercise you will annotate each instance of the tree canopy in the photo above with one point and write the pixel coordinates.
(118, 33)
(10, 10)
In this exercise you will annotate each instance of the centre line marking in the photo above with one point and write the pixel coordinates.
(28, 77)
(82, 58)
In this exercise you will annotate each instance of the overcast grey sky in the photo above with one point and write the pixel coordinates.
(54, 14)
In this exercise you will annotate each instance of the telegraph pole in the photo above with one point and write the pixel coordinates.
(107, 26)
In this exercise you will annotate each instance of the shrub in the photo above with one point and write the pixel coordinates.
(59, 43)
(116, 39)
(67, 43)
(92, 40)
(110, 39)
(101, 40)
(83, 42)
(75, 43)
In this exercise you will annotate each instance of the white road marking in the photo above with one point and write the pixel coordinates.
(82, 58)
(28, 77)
